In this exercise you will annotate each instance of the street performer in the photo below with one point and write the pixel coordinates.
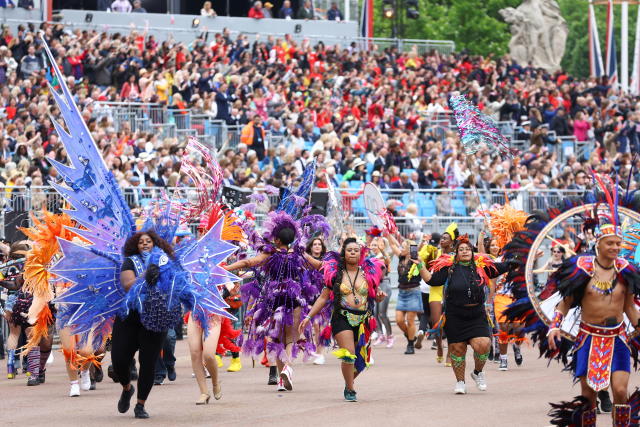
(602, 287)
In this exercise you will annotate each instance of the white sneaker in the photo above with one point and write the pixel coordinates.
(371, 361)
(319, 360)
(480, 381)
(74, 391)
(281, 385)
(50, 359)
(85, 380)
(287, 377)
(460, 388)
(374, 336)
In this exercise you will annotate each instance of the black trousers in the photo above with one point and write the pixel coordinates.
(128, 337)
(425, 317)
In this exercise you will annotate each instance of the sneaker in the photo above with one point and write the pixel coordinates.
(503, 365)
(50, 359)
(517, 354)
(98, 375)
(42, 377)
(434, 345)
(604, 402)
(350, 395)
(32, 380)
(419, 339)
(287, 377)
(139, 411)
(112, 374)
(125, 399)
(460, 388)
(85, 380)
(93, 385)
(235, 365)
(273, 376)
(381, 339)
(281, 385)
(390, 341)
(319, 360)
(171, 373)
(74, 390)
(480, 381)
(158, 381)
(374, 336)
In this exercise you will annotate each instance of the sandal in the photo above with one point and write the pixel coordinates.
(204, 399)
(217, 391)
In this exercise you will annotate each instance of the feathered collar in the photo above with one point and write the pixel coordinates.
(586, 263)
(481, 262)
(373, 269)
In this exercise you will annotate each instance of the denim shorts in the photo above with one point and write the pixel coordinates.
(410, 300)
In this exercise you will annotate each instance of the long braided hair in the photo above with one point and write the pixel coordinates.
(337, 279)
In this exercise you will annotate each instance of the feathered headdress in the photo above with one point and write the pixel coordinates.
(504, 222)
(452, 231)
(607, 215)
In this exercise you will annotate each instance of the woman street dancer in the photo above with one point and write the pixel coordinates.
(317, 250)
(409, 304)
(352, 283)
(465, 277)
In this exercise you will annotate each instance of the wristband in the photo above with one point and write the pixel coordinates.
(557, 320)
(420, 266)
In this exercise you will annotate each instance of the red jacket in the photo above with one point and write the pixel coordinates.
(255, 13)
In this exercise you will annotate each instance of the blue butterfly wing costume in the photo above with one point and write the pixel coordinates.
(105, 222)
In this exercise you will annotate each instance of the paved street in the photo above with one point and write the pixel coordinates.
(398, 390)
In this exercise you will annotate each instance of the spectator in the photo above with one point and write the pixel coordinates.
(222, 103)
(207, 10)
(267, 10)
(7, 3)
(286, 12)
(306, 11)
(103, 5)
(137, 7)
(253, 135)
(122, 6)
(256, 12)
(30, 64)
(581, 127)
(26, 4)
(334, 14)
(560, 124)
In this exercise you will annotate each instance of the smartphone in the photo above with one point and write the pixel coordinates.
(413, 251)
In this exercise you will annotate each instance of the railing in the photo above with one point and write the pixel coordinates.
(435, 208)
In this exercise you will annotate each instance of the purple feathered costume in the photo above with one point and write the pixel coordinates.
(284, 282)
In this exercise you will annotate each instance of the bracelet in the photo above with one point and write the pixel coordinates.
(558, 317)
(308, 317)
(420, 266)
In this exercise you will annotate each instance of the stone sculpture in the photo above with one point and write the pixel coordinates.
(539, 33)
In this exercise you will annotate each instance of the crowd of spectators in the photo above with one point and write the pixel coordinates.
(362, 113)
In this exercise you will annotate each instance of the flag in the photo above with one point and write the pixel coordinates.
(612, 63)
(595, 54)
(635, 73)
(366, 19)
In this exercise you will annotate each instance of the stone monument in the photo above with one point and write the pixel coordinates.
(539, 33)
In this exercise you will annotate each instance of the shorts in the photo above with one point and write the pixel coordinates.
(436, 293)
(410, 300)
(340, 323)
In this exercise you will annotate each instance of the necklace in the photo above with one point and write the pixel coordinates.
(603, 267)
(353, 286)
(603, 287)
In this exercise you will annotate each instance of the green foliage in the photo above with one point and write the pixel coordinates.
(476, 25)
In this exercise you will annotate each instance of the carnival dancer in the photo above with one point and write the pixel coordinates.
(317, 250)
(385, 333)
(409, 304)
(603, 287)
(352, 283)
(121, 271)
(465, 277)
(17, 322)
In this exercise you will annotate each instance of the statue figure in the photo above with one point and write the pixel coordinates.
(539, 33)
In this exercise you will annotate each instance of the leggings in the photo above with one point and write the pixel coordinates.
(425, 316)
(128, 337)
(382, 308)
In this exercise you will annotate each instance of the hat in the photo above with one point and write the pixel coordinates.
(526, 123)
(375, 173)
(452, 231)
(268, 5)
(145, 156)
(134, 178)
(357, 162)
(606, 214)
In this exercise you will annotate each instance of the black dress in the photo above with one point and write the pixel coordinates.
(464, 297)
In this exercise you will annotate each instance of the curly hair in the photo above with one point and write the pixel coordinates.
(131, 245)
(310, 245)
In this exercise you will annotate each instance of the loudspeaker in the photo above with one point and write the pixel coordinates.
(13, 220)
(234, 196)
(319, 201)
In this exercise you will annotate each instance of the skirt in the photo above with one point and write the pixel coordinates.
(500, 304)
(409, 300)
(465, 323)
